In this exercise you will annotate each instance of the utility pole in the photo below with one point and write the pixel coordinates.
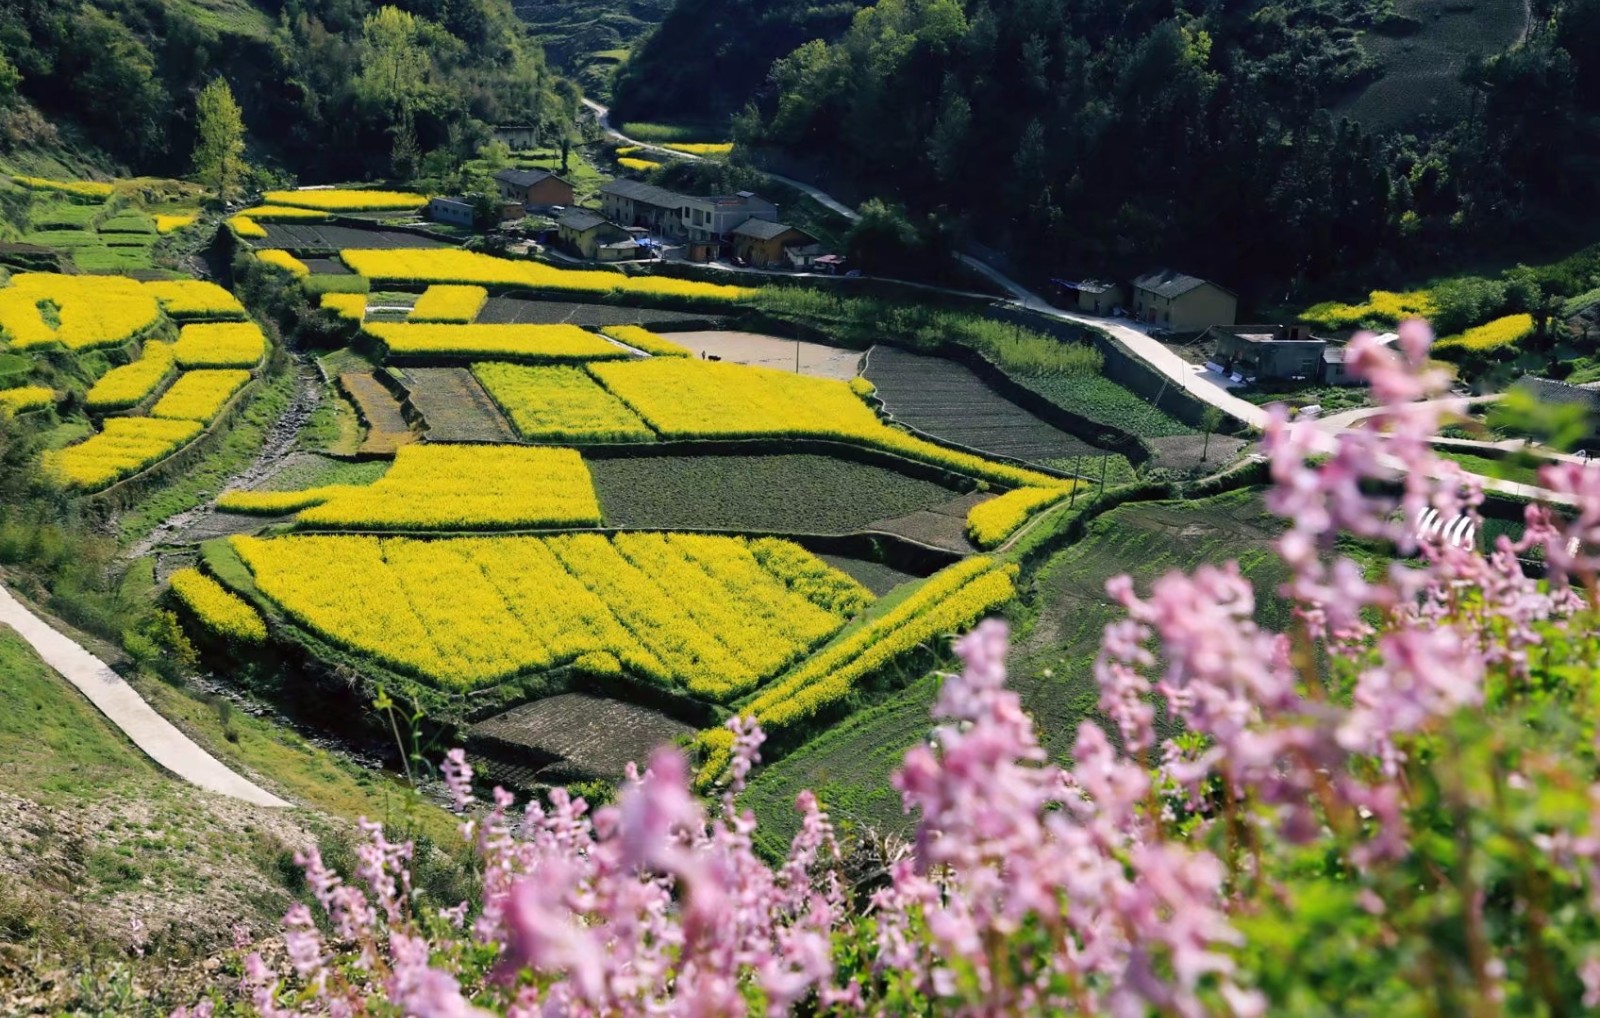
(1077, 476)
(1103, 461)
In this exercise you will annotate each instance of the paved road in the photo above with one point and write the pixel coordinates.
(126, 709)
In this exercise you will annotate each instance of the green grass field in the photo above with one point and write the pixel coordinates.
(1105, 402)
(1051, 662)
(1507, 469)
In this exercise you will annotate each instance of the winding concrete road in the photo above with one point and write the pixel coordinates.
(157, 737)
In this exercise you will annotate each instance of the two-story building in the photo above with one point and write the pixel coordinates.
(1182, 303)
(533, 189)
(635, 203)
(587, 233)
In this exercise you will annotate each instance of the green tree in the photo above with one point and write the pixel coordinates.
(1211, 420)
(219, 153)
(394, 64)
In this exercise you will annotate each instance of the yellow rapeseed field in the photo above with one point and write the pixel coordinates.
(637, 165)
(346, 305)
(131, 384)
(698, 399)
(80, 313)
(247, 228)
(279, 503)
(93, 189)
(195, 298)
(1491, 335)
(991, 522)
(285, 261)
(220, 345)
(219, 608)
(537, 344)
(697, 612)
(274, 213)
(468, 487)
(1385, 307)
(644, 339)
(24, 398)
(449, 303)
(126, 446)
(174, 223)
(560, 404)
(948, 602)
(199, 395)
(338, 200)
(411, 266)
(701, 148)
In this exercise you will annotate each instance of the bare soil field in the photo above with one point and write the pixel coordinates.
(520, 311)
(942, 526)
(773, 352)
(575, 735)
(944, 399)
(387, 429)
(455, 406)
(321, 237)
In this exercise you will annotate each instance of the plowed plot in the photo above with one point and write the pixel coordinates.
(572, 736)
(941, 526)
(318, 237)
(945, 400)
(517, 311)
(327, 267)
(875, 576)
(455, 406)
(796, 494)
(387, 429)
(774, 352)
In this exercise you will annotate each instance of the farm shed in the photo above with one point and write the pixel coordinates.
(454, 211)
(1181, 302)
(533, 188)
(1091, 296)
(587, 233)
(765, 244)
(1271, 352)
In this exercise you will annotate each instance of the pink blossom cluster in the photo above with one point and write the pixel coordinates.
(1122, 885)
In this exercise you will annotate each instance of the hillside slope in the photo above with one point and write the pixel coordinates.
(331, 89)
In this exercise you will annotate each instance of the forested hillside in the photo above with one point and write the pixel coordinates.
(710, 56)
(1266, 142)
(331, 89)
(587, 40)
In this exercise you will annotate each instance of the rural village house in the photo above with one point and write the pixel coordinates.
(1271, 352)
(705, 224)
(767, 244)
(534, 188)
(518, 137)
(452, 211)
(1182, 303)
(589, 234)
(1091, 296)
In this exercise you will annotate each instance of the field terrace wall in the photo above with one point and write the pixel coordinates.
(1122, 366)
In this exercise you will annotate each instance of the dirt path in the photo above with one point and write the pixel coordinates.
(277, 444)
(125, 708)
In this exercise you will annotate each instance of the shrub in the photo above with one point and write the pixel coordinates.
(221, 610)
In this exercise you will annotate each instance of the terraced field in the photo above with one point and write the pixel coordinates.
(326, 237)
(804, 494)
(521, 311)
(1051, 666)
(575, 737)
(946, 400)
(455, 406)
(387, 428)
